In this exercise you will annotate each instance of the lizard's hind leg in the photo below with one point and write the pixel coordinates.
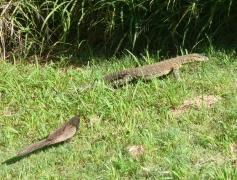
(125, 79)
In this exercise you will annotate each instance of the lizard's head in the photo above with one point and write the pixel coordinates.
(198, 57)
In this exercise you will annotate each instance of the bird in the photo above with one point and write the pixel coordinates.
(64, 133)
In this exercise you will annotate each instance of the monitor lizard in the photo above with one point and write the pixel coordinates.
(150, 71)
(154, 70)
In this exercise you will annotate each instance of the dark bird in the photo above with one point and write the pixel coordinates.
(64, 133)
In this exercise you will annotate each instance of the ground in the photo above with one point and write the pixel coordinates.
(160, 129)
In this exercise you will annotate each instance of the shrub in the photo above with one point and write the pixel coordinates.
(110, 26)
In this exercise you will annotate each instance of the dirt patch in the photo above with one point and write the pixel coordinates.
(197, 102)
(135, 151)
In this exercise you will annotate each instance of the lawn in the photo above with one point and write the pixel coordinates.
(160, 129)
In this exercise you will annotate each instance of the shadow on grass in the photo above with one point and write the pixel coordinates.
(18, 158)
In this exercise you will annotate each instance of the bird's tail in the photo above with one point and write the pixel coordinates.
(32, 147)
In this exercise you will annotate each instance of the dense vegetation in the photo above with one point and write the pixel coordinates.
(109, 26)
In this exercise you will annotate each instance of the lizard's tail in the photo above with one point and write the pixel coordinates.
(32, 147)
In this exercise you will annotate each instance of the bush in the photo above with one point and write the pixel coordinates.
(110, 26)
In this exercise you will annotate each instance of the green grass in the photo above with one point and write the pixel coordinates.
(199, 144)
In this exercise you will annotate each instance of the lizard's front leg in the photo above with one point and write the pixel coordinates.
(177, 75)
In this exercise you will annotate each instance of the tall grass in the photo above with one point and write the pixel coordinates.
(29, 27)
